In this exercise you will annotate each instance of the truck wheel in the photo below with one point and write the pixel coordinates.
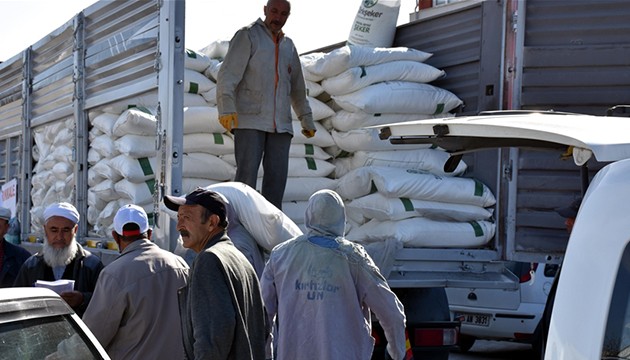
(465, 342)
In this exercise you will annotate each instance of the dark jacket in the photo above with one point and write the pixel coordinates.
(221, 309)
(84, 270)
(14, 257)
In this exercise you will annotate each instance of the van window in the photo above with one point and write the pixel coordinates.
(617, 339)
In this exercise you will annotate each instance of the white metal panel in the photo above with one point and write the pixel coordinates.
(597, 243)
(607, 137)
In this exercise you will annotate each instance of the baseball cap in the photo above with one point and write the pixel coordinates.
(571, 210)
(5, 213)
(209, 199)
(62, 209)
(131, 214)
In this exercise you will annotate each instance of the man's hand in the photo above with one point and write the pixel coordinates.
(229, 121)
(73, 298)
(308, 133)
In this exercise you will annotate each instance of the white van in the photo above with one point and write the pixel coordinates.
(591, 312)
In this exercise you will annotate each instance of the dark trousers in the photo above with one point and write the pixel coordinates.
(252, 146)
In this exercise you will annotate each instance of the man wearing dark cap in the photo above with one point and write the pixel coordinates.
(222, 312)
(11, 256)
(63, 258)
(134, 312)
(569, 213)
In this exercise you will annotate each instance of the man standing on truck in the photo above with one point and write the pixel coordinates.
(259, 80)
(322, 288)
(134, 312)
(63, 258)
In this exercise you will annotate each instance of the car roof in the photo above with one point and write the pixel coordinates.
(607, 138)
(22, 303)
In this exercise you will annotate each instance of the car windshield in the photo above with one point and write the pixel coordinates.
(48, 338)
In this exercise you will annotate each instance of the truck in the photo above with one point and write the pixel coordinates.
(521, 56)
(498, 55)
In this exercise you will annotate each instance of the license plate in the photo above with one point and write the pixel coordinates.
(474, 319)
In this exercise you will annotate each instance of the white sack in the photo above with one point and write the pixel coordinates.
(216, 49)
(379, 207)
(104, 171)
(420, 232)
(309, 167)
(414, 184)
(375, 23)
(322, 137)
(265, 222)
(196, 60)
(105, 190)
(212, 72)
(319, 109)
(308, 150)
(301, 188)
(359, 77)
(93, 156)
(313, 89)
(430, 160)
(190, 184)
(135, 169)
(215, 144)
(105, 122)
(207, 166)
(210, 96)
(346, 57)
(202, 119)
(140, 193)
(295, 210)
(104, 145)
(135, 121)
(399, 97)
(196, 82)
(136, 146)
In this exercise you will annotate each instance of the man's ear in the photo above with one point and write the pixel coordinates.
(213, 220)
(117, 238)
(149, 233)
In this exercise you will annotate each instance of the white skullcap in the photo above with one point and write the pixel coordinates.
(62, 209)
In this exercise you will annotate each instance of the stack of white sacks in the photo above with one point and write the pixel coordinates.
(53, 172)
(123, 156)
(396, 191)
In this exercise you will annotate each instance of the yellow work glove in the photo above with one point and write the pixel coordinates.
(229, 121)
(308, 133)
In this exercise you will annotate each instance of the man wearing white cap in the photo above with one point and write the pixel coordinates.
(134, 312)
(11, 256)
(63, 258)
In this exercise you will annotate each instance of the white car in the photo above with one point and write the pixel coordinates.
(500, 314)
(35, 323)
(591, 311)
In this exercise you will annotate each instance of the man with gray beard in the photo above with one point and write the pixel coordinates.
(63, 258)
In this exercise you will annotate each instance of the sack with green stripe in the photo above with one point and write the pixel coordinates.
(377, 206)
(414, 184)
(419, 232)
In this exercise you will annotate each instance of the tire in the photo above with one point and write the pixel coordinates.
(465, 342)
